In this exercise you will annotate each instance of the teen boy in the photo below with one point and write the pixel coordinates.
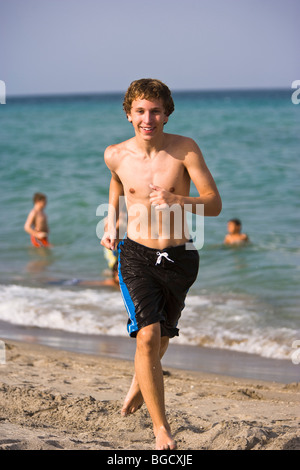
(153, 171)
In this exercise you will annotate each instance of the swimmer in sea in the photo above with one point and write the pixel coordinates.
(111, 282)
(234, 235)
(36, 224)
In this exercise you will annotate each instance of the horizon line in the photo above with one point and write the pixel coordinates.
(121, 92)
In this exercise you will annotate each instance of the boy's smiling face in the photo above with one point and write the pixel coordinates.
(147, 117)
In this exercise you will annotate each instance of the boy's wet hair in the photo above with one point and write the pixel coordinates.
(39, 197)
(148, 89)
(236, 222)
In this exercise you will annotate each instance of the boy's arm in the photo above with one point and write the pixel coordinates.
(204, 182)
(109, 238)
(28, 224)
(115, 191)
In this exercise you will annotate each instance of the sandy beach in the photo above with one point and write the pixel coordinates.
(52, 399)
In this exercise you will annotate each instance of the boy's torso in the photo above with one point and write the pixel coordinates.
(40, 222)
(146, 225)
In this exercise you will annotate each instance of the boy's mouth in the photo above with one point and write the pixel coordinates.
(147, 129)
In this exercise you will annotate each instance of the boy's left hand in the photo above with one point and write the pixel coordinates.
(161, 198)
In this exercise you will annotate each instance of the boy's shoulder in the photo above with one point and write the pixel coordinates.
(33, 212)
(244, 237)
(183, 146)
(31, 216)
(181, 139)
(115, 151)
(236, 240)
(119, 146)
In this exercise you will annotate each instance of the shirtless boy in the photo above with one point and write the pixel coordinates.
(153, 170)
(36, 224)
(234, 235)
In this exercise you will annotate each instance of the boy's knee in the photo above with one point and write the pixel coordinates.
(149, 339)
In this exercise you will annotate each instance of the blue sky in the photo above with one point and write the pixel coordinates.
(70, 46)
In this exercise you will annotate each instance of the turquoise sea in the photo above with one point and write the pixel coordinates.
(245, 299)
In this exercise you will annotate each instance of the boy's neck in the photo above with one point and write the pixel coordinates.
(151, 147)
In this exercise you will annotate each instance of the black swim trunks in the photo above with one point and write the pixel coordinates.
(154, 284)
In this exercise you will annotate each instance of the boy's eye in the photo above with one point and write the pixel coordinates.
(154, 111)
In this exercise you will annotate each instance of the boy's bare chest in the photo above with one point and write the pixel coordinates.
(40, 219)
(137, 174)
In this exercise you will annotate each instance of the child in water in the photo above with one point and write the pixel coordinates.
(234, 236)
(36, 224)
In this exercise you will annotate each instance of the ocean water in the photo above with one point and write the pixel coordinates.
(245, 298)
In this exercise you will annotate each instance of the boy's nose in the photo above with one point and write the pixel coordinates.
(147, 117)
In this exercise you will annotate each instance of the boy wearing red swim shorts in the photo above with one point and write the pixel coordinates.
(36, 224)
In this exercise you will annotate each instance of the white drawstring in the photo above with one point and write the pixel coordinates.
(162, 255)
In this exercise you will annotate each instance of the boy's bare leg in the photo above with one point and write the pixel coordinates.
(134, 398)
(150, 379)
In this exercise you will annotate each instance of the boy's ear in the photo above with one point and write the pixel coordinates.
(129, 118)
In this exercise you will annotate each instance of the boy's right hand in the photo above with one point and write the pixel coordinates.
(41, 235)
(109, 241)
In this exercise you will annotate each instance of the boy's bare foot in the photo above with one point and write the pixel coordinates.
(164, 440)
(134, 399)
